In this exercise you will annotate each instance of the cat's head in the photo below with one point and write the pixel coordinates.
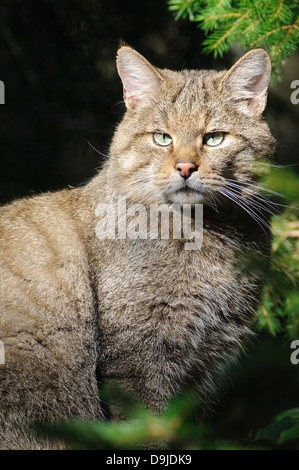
(190, 136)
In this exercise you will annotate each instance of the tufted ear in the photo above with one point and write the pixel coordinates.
(246, 83)
(141, 81)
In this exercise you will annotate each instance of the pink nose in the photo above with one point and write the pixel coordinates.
(186, 169)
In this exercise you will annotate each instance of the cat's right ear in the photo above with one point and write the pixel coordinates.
(141, 81)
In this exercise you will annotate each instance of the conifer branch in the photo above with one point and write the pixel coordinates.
(235, 26)
(279, 8)
(290, 29)
(250, 27)
(223, 15)
(271, 24)
(279, 46)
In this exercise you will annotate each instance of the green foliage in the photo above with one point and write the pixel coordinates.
(270, 24)
(283, 430)
(176, 429)
(139, 429)
(280, 308)
(272, 431)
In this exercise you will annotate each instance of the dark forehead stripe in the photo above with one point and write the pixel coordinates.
(177, 93)
(191, 94)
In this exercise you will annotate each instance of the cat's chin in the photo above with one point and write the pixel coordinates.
(186, 196)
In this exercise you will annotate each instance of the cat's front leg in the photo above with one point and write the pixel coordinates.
(39, 385)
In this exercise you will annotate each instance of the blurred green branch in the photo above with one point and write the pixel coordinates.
(279, 311)
(175, 429)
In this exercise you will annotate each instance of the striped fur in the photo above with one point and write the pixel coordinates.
(75, 310)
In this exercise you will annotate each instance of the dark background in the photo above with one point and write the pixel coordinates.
(57, 61)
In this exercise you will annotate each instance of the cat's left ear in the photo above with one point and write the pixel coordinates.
(246, 83)
(141, 81)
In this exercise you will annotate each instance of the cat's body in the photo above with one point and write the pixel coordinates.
(75, 309)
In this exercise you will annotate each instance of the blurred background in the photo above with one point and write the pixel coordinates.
(57, 61)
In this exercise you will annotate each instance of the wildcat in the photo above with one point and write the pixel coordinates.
(76, 309)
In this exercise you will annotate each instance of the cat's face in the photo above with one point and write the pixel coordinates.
(190, 136)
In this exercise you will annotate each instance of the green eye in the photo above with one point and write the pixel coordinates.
(164, 140)
(213, 138)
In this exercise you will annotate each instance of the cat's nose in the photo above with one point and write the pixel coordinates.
(186, 169)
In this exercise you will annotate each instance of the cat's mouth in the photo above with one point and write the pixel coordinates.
(187, 194)
(187, 190)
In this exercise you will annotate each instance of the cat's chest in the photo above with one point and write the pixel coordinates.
(158, 308)
(159, 279)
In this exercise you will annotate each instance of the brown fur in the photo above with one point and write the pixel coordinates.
(75, 310)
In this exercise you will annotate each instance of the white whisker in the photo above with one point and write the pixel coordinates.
(103, 154)
(254, 201)
(260, 188)
(241, 203)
